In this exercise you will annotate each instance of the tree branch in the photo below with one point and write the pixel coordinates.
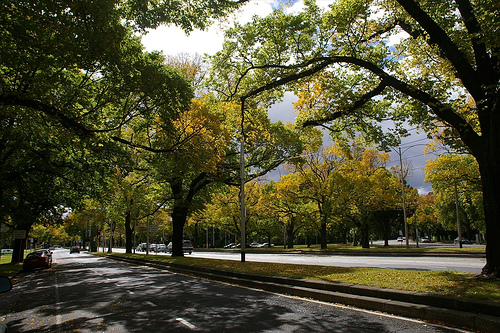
(464, 69)
(359, 103)
(49, 110)
(134, 145)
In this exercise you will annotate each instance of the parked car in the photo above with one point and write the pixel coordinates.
(7, 251)
(266, 245)
(161, 247)
(5, 285)
(38, 259)
(74, 249)
(425, 240)
(401, 239)
(141, 247)
(464, 241)
(187, 246)
(254, 245)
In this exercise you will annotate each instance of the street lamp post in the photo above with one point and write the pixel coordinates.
(404, 200)
(400, 153)
(242, 183)
(459, 227)
(242, 193)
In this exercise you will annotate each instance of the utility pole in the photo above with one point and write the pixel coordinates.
(459, 227)
(242, 183)
(404, 200)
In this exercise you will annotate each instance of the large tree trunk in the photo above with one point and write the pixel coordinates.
(365, 237)
(179, 216)
(129, 234)
(18, 253)
(290, 233)
(491, 197)
(23, 218)
(323, 234)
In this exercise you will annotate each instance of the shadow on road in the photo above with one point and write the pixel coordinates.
(98, 295)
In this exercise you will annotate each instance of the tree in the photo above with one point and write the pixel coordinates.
(317, 182)
(74, 72)
(446, 54)
(288, 205)
(198, 151)
(456, 181)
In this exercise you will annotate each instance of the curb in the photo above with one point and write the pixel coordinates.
(481, 316)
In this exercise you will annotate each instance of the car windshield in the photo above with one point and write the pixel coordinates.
(35, 254)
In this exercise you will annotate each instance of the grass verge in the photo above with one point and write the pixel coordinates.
(6, 268)
(438, 282)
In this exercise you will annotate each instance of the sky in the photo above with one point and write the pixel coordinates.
(172, 41)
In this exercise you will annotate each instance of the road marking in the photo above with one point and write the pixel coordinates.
(58, 301)
(186, 323)
(149, 303)
(130, 292)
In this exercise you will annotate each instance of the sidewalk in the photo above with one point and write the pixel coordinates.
(469, 314)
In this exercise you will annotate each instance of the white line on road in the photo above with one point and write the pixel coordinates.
(186, 323)
(149, 303)
(58, 301)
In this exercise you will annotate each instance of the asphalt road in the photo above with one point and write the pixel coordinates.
(426, 263)
(473, 265)
(84, 293)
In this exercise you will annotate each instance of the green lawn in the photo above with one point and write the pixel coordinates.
(439, 282)
(6, 268)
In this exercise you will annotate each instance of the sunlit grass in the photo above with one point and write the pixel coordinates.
(5, 258)
(6, 268)
(439, 282)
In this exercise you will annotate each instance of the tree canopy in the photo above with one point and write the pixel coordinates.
(424, 63)
(73, 75)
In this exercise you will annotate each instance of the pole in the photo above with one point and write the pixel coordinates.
(416, 228)
(206, 239)
(459, 227)
(86, 234)
(110, 237)
(90, 236)
(404, 203)
(135, 234)
(242, 184)
(147, 235)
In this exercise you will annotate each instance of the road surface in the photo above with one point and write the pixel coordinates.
(84, 293)
(425, 263)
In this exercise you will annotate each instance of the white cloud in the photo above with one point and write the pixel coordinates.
(172, 40)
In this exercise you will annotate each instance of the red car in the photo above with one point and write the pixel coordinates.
(38, 259)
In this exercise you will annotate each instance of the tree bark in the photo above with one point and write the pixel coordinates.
(323, 234)
(179, 216)
(129, 235)
(290, 233)
(491, 197)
